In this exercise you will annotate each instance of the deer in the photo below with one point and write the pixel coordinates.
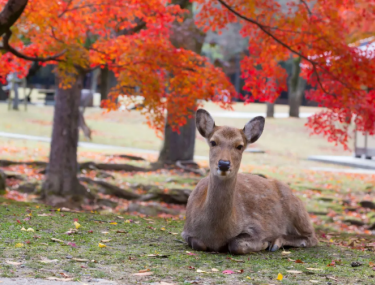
(237, 212)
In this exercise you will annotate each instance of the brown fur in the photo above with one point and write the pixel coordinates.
(242, 212)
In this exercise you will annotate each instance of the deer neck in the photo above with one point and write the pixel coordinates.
(220, 198)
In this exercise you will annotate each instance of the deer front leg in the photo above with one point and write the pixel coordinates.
(244, 243)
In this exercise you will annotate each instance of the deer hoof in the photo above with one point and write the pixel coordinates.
(273, 247)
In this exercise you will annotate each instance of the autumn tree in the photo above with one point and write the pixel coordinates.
(323, 35)
(84, 35)
(179, 145)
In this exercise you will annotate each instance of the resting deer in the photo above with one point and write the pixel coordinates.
(240, 213)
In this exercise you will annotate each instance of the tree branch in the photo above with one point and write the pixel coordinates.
(267, 32)
(307, 7)
(9, 48)
(10, 14)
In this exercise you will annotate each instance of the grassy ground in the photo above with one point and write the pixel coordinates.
(331, 198)
(153, 245)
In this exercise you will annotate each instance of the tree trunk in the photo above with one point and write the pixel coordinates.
(61, 186)
(296, 89)
(104, 83)
(16, 99)
(178, 146)
(270, 109)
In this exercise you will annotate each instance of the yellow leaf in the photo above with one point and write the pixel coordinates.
(285, 252)
(37, 207)
(331, 240)
(19, 245)
(279, 277)
(127, 222)
(114, 223)
(58, 210)
(30, 230)
(77, 225)
(248, 277)
(163, 229)
(23, 229)
(101, 245)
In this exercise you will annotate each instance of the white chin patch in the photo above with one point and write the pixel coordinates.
(223, 173)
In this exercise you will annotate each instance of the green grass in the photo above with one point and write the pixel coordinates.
(128, 253)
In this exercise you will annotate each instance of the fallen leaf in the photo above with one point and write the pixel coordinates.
(72, 231)
(77, 225)
(37, 207)
(101, 245)
(190, 253)
(158, 255)
(237, 260)
(72, 244)
(57, 240)
(121, 232)
(162, 229)
(120, 217)
(248, 277)
(13, 263)
(23, 229)
(80, 260)
(228, 272)
(285, 252)
(214, 270)
(105, 233)
(299, 261)
(90, 231)
(44, 215)
(173, 233)
(113, 223)
(64, 275)
(105, 240)
(371, 264)
(314, 281)
(19, 245)
(144, 270)
(59, 279)
(294, 271)
(314, 269)
(48, 260)
(143, 274)
(279, 277)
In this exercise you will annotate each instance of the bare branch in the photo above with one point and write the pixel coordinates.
(307, 7)
(9, 48)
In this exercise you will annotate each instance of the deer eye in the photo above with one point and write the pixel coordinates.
(239, 147)
(213, 143)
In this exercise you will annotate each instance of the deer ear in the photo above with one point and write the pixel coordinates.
(205, 123)
(253, 129)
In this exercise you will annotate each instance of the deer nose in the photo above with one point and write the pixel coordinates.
(224, 165)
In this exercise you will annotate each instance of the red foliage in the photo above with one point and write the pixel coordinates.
(324, 34)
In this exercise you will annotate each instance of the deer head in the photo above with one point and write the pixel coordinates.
(226, 143)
